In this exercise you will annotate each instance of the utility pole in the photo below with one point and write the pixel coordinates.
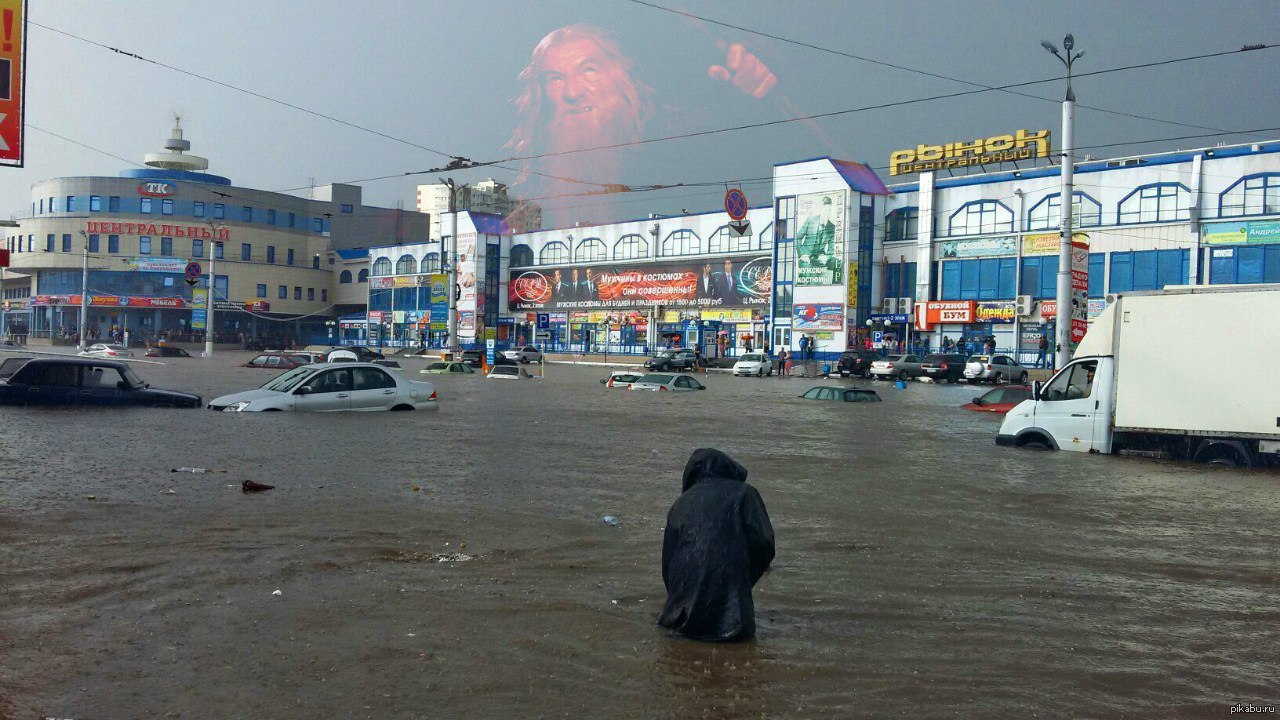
(84, 291)
(208, 319)
(453, 266)
(1066, 199)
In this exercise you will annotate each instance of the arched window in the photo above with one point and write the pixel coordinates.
(1158, 202)
(406, 265)
(382, 266)
(553, 253)
(521, 256)
(345, 277)
(722, 240)
(1251, 195)
(765, 238)
(682, 242)
(364, 275)
(430, 263)
(1047, 214)
(590, 250)
(902, 224)
(981, 216)
(630, 247)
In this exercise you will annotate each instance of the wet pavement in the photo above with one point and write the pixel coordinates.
(920, 571)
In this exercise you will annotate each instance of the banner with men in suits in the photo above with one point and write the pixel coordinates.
(719, 282)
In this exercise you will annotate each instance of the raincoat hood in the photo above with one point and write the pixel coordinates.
(707, 463)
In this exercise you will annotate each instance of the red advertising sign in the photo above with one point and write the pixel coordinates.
(13, 80)
(4, 257)
(1079, 290)
(958, 312)
(112, 301)
(724, 282)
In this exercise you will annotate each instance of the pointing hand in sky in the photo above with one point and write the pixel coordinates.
(746, 71)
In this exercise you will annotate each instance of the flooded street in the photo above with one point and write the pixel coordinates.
(920, 570)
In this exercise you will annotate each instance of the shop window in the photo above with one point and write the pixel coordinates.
(197, 209)
(981, 216)
(144, 245)
(590, 250)
(1251, 195)
(431, 263)
(553, 253)
(166, 246)
(1245, 264)
(521, 256)
(1047, 214)
(900, 280)
(262, 290)
(1148, 269)
(406, 265)
(1040, 276)
(1097, 273)
(144, 206)
(682, 242)
(364, 275)
(1159, 202)
(981, 279)
(902, 225)
(95, 203)
(345, 277)
(166, 207)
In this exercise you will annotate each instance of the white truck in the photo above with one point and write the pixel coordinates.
(1190, 373)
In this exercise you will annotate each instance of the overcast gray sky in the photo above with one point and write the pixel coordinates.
(442, 74)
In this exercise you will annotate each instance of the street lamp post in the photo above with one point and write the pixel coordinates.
(208, 300)
(84, 291)
(453, 266)
(1066, 199)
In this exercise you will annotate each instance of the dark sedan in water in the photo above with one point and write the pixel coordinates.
(84, 381)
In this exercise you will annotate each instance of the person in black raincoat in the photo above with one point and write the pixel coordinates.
(718, 543)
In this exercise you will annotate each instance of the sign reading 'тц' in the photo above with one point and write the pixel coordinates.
(13, 33)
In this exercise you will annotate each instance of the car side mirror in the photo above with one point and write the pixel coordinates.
(122, 385)
(304, 390)
(1035, 390)
(978, 401)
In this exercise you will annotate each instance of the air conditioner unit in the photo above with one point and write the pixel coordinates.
(889, 306)
(1024, 305)
(905, 306)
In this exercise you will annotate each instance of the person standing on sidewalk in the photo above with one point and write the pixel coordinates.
(1044, 347)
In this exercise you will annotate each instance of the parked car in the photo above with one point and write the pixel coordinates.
(166, 351)
(274, 361)
(998, 369)
(902, 367)
(667, 381)
(943, 367)
(11, 345)
(307, 358)
(1000, 400)
(508, 372)
(856, 362)
(105, 350)
(678, 359)
(621, 379)
(754, 363)
(448, 368)
(85, 381)
(361, 353)
(330, 388)
(526, 354)
(841, 394)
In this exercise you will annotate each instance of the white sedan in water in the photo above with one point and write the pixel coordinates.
(333, 387)
(753, 363)
(667, 382)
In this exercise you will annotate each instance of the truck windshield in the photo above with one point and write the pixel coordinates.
(1075, 383)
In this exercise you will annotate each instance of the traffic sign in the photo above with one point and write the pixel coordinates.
(490, 348)
(544, 321)
(192, 271)
(735, 203)
(543, 335)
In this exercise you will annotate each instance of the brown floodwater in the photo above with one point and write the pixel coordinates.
(920, 570)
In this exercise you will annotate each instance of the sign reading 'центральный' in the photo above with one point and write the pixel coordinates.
(1022, 145)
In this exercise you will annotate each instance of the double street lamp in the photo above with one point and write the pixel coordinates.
(1066, 199)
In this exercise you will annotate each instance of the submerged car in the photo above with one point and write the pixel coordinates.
(678, 359)
(274, 361)
(996, 369)
(621, 379)
(841, 394)
(1000, 400)
(166, 351)
(105, 350)
(84, 381)
(753, 363)
(448, 368)
(667, 382)
(333, 387)
(508, 372)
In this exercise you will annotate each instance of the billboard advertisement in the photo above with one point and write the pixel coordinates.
(723, 283)
(156, 264)
(13, 82)
(853, 287)
(1079, 291)
(820, 239)
(1255, 232)
(979, 247)
(821, 316)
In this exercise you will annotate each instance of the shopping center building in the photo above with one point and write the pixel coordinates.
(275, 256)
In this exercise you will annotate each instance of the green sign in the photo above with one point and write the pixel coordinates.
(1256, 232)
